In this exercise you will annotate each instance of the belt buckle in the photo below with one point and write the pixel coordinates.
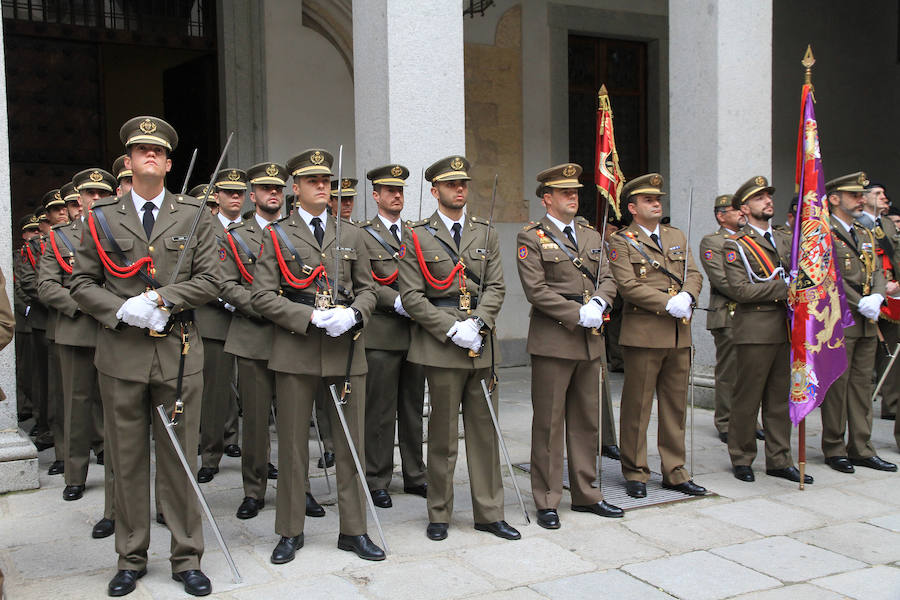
(673, 291)
(306, 270)
(585, 296)
(323, 300)
(465, 301)
(158, 334)
(577, 262)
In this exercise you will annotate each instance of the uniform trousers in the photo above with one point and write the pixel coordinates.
(257, 386)
(24, 364)
(217, 374)
(848, 407)
(39, 379)
(81, 426)
(890, 389)
(726, 375)
(56, 401)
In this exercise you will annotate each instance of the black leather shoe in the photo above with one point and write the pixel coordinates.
(548, 518)
(636, 489)
(35, 431)
(602, 508)
(437, 531)
(249, 508)
(744, 473)
(206, 474)
(195, 582)
(381, 498)
(611, 451)
(25, 416)
(329, 461)
(73, 492)
(723, 437)
(874, 462)
(364, 547)
(791, 474)
(273, 472)
(885, 417)
(313, 508)
(57, 468)
(840, 463)
(100, 458)
(124, 582)
(233, 450)
(688, 487)
(286, 548)
(501, 529)
(160, 518)
(104, 528)
(760, 434)
(42, 445)
(417, 490)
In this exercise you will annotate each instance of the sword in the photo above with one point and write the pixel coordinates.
(338, 405)
(321, 447)
(685, 320)
(187, 177)
(512, 476)
(487, 233)
(337, 229)
(421, 185)
(887, 370)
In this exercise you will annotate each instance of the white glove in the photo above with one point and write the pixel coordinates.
(465, 334)
(158, 319)
(320, 317)
(226, 306)
(339, 321)
(136, 311)
(870, 306)
(591, 315)
(679, 306)
(398, 307)
(27, 310)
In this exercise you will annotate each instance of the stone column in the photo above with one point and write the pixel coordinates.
(18, 456)
(409, 81)
(720, 111)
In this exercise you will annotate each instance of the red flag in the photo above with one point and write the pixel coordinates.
(607, 174)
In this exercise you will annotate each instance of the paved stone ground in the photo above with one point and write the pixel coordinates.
(840, 538)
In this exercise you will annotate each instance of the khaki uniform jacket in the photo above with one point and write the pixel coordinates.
(761, 314)
(890, 232)
(547, 274)
(73, 327)
(249, 335)
(721, 307)
(37, 315)
(212, 318)
(850, 262)
(645, 290)
(387, 330)
(20, 299)
(127, 352)
(7, 321)
(298, 346)
(429, 344)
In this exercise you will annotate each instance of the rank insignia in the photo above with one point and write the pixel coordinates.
(540, 233)
(731, 256)
(613, 254)
(402, 251)
(523, 252)
(222, 254)
(707, 254)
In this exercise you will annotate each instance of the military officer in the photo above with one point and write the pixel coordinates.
(395, 386)
(123, 176)
(847, 408)
(21, 303)
(148, 347)
(659, 285)
(317, 314)
(348, 196)
(570, 289)
(445, 260)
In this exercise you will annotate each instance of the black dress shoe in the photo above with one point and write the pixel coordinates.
(885, 417)
(195, 582)
(329, 461)
(42, 445)
(160, 518)
(233, 450)
(100, 458)
(874, 462)
(611, 451)
(124, 582)
(364, 547)
(249, 508)
(688, 487)
(602, 508)
(840, 463)
(206, 474)
(548, 518)
(273, 472)
(26, 416)
(760, 434)
(791, 474)
(381, 498)
(744, 473)
(313, 508)
(57, 468)
(723, 437)
(73, 492)
(437, 531)
(286, 548)
(35, 430)
(104, 528)
(417, 490)
(636, 489)
(501, 529)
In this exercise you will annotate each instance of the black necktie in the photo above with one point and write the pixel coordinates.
(457, 233)
(148, 219)
(853, 235)
(569, 234)
(396, 233)
(317, 229)
(656, 241)
(769, 239)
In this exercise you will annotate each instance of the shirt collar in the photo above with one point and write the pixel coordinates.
(730, 232)
(307, 217)
(560, 225)
(139, 201)
(762, 232)
(387, 222)
(841, 221)
(448, 223)
(225, 220)
(261, 222)
(650, 233)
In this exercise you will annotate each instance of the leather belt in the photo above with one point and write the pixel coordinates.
(186, 317)
(454, 302)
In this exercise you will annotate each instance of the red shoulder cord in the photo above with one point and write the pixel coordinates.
(27, 248)
(62, 263)
(439, 284)
(113, 268)
(42, 247)
(244, 273)
(292, 281)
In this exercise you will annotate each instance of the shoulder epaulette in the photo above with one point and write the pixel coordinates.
(531, 225)
(60, 225)
(366, 223)
(582, 221)
(182, 199)
(235, 226)
(418, 223)
(479, 220)
(736, 235)
(109, 200)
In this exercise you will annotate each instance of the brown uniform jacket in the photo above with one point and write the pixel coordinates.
(127, 352)
(212, 318)
(37, 314)
(645, 289)
(298, 346)
(20, 299)
(7, 321)
(851, 261)
(555, 287)
(387, 330)
(721, 306)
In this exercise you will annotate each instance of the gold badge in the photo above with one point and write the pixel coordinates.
(456, 164)
(878, 231)
(643, 272)
(234, 175)
(323, 300)
(56, 195)
(345, 183)
(148, 126)
(569, 171)
(465, 301)
(317, 158)
(760, 181)
(656, 181)
(271, 170)
(862, 180)
(96, 176)
(396, 171)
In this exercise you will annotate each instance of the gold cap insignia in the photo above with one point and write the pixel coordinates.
(233, 175)
(656, 180)
(569, 171)
(345, 183)
(456, 164)
(317, 158)
(148, 126)
(760, 180)
(271, 170)
(862, 180)
(56, 195)
(96, 176)
(396, 171)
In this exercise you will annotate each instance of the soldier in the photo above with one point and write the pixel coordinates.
(395, 386)
(148, 348)
(21, 304)
(441, 257)
(847, 408)
(317, 313)
(757, 260)
(347, 194)
(123, 176)
(659, 285)
(570, 291)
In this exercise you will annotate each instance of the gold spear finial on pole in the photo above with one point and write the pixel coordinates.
(808, 61)
(603, 97)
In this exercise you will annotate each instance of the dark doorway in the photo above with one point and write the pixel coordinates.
(622, 66)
